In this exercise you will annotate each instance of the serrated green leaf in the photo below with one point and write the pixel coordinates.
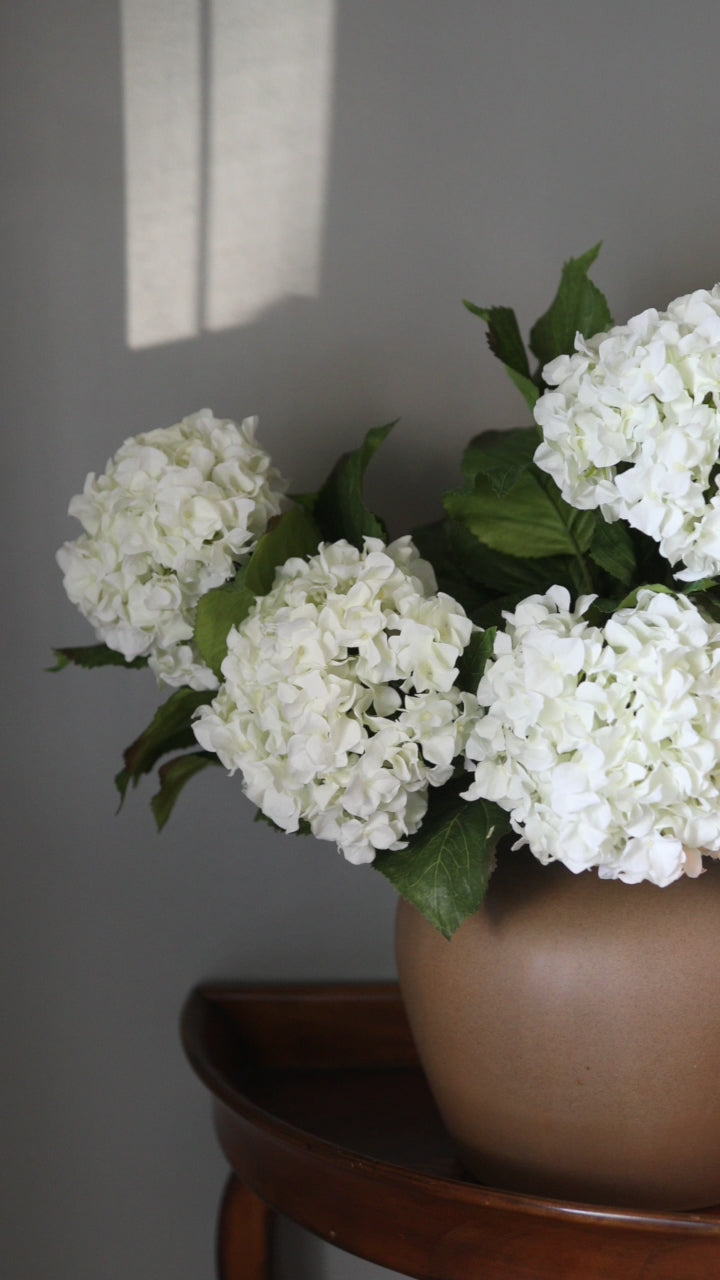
(502, 456)
(445, 869)
(505, 342)
(529, 522)
(173, 776)
(612, 549)
(578, 307)
(503, 336)
(94, 655)
(474, 659)
(504, 574)
(339, 507)
(169, 730)
(294, 534)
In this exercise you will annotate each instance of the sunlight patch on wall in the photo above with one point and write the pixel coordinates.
(269, 104)
(227, 121)
(162, 120)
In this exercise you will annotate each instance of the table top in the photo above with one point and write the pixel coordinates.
(322, 1110)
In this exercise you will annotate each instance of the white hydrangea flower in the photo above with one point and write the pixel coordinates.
(603, 743)
(631, 424)
(338, 703)
(174, 512)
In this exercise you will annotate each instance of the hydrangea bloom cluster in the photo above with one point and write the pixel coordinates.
(338, 703)
(633, 426)
(602, 742)
(172, 514)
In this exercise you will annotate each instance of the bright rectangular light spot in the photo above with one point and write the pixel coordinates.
(227, 117)
(162, 119)
(269, 104)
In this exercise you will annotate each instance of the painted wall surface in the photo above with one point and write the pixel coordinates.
(163, 249)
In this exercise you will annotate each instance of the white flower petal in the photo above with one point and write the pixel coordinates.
(613, 760)
(631, 424)
(173, 514)
(338, 695)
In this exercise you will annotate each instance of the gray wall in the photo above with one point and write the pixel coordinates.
(474, 145)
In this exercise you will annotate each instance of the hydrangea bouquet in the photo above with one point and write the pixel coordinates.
(543, 661)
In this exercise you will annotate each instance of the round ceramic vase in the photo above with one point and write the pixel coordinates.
(570, 1032)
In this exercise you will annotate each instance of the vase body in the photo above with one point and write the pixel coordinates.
(570, 1032)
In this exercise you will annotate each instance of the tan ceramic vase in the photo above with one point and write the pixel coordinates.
(570, 1032)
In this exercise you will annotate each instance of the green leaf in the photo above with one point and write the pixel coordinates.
(600, 610)
(433, 543)
(492, 614)
(651, 565)
(461, 563)
(474, 659)
(529, 522)
(612, 549)
(217, 611)
(505, 574)
(169, 730)
(339, 507)
(294, 534)
(502, 456)
(504, 337)
(445, 869)
(707, 601)
(578, 307)
(485, 581)
(505, 342)
(173, 775)
(702, 584)
(94, 655)
(526, 387)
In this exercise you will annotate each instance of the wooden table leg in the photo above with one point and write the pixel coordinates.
(243, 1235)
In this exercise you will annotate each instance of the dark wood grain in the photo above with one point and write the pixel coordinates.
(323, 1112)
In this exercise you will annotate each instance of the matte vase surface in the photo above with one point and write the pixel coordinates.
(570, 1032)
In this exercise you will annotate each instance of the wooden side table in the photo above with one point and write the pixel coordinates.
(324, 1115)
